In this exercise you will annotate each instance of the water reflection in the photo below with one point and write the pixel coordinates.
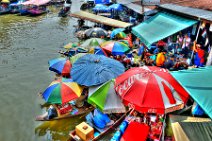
(58, 129)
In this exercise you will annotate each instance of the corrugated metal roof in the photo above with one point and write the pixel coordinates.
(126, 1)
(201, 4)
(197, 13)
(135, 7)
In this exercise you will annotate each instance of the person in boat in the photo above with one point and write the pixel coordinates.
(80, 102)
(133, 117)
(52, 112)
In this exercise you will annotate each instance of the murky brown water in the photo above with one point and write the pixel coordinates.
(26, 45)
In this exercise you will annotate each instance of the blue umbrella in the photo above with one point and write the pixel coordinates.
(92, 69)
(115, 32)
(61, 66)
(99, 51)
(101, 8)
(116, 7)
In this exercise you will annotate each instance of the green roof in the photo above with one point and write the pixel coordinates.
(198, 83)
(160, 26)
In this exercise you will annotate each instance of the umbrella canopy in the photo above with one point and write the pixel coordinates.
(92, 69)
(62, 91)
(5, 1)
(101, 8)
(115, 32)
(105, 98)
(93, 42)
(74, 58)
(61, 66)
(125, 42)
(116, 7)
(99, 51)
(115, 47)
(70, 45)
(96, 32)
(151, 89)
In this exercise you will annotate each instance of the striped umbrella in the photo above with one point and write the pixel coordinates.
(61, 66)
(151, 89)
(118, 32)
(76, 57)
(115, 47)
(62, 91)
(91, 43)
(105, 98)
(70, 45)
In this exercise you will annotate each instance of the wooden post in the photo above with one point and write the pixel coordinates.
(142, 9)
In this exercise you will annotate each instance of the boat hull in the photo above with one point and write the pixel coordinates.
(37, 12)
(105, 131)
(81, 111)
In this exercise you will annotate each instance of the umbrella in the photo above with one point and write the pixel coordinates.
(116, 31)
(99, 51)
(92, 69)
(76, 57)
(101, 8)
(115, 47)
(96, 32)
(105, 98)
(125, 42)
(61, 66)
(116, 7)
(62, 91)
(5, 1)
(70, 45)
(151, 89)
(93, 42)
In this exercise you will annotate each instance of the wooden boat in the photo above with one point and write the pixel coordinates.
(37, 11)
(81, 111)
(4, 9)
(102, 132)
(14, 8)
(24, 10)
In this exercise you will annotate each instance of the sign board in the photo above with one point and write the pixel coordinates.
(150, 2)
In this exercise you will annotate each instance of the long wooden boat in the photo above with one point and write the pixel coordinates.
(101, 132)
(81, 111)
(37, 12)
(5, 11)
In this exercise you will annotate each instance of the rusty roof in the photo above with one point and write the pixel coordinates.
(194, 12)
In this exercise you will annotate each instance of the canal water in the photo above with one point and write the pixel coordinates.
(26, 45)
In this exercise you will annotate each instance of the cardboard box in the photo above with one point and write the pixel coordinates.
(84, 131)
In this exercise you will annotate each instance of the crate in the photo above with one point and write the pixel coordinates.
(84, 131)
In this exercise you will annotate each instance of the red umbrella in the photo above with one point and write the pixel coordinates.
(151, 89)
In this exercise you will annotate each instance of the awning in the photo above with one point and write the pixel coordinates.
(190, 128)
(197, 83)
(160, 26)
(99, 19)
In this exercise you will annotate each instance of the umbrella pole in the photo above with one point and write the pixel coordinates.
(194, 43)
